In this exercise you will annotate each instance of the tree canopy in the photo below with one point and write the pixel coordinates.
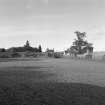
(80, 42)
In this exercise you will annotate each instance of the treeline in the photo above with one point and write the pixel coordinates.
(25, 48)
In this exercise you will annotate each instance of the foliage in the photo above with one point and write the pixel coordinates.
(2, 50)
(50, 54)
(15, 54)
(80, 35)
(25, 48)
(27, 44)
(40, 48)
(80, 44)
(30, 54)
(4, 56)
(57, 55)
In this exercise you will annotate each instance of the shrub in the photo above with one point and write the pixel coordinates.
(57, 55)
(35, 55)
(31, 54)
(4, 56)
(15, 55)
(50, 54)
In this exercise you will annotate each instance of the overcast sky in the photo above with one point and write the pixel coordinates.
(51, 23)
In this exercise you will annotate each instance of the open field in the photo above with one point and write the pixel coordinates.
(47, 81)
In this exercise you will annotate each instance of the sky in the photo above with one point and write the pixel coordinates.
(51, 23)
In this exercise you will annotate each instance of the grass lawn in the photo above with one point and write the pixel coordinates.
(51, 82)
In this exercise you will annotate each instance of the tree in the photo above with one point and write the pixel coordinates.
(80, 41)
(40, 48)
(80, 35)
(3, 50)
(27, 45)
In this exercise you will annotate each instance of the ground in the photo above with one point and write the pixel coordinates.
(48, 81)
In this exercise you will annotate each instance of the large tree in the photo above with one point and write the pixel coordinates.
(80, 42)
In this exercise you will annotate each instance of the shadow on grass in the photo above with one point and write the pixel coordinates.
(52, 94)
(28, 86)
